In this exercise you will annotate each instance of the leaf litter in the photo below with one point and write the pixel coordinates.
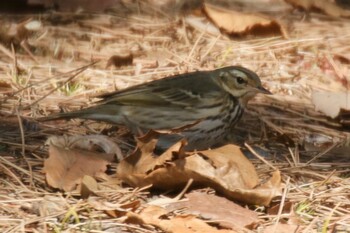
(68, 165)
(218, 209)
(225, 169)
(237, 23)
(316, 163)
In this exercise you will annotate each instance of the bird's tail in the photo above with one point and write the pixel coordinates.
(99, 113)
(64, 115)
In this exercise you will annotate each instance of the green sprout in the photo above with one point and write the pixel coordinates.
(70, 88)
(304, 209)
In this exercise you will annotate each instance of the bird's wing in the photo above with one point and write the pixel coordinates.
(169, 103)
(181, 91)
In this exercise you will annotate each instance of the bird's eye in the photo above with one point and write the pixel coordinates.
(240, 80)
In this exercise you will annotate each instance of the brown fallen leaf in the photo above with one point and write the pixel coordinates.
(287, 208)
(325, 6)
(88, 186)
(118, 61)
(157, 216)
(226, 213)
(66, 167)
(143, 160)
(237, 23)
(225, 169)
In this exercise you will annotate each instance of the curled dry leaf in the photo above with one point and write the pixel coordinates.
(326, 6)
(225, 169)
(157, 216)
(217, 209)
(66, 166)
(237, 23)
(88, 142)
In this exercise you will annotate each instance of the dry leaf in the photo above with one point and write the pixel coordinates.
(118, 61)
(88, 186)
(287, 208)
(157, 216)
(143, 161)
(326, 6)
(66, 167)
(88, 142)
(237, 23)
(330, 103)
(225, 169)
(217, 209)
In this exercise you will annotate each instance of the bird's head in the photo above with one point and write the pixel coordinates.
(241, 83)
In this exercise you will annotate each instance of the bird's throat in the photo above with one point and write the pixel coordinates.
(244, 99)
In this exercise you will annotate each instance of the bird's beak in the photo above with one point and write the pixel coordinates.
(262, 90)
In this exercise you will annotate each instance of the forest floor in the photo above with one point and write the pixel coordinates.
(47, 65)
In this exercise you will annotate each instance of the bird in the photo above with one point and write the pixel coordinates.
(201, 107)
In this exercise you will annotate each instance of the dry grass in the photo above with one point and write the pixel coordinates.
(310, 149)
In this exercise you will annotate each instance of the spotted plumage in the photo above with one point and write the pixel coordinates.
(205, 104)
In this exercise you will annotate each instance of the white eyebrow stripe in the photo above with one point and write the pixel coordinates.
(238, 73)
